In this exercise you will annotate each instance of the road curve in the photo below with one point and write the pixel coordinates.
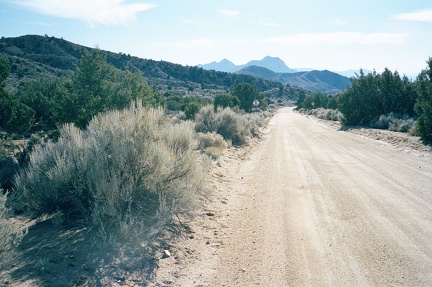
(328, 208)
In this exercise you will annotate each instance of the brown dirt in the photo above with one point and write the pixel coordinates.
(312, 205)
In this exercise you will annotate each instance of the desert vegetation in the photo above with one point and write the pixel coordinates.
(235, 127)
(383, 101)
(102, 153)
(127, 171)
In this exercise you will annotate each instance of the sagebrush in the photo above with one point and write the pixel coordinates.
(234, 127)
(127, 171)
(212, 144)
(325, 114)
(394, 122)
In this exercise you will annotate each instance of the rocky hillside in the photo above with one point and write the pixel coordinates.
(33, 56)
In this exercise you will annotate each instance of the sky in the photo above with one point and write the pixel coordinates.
(336, 35)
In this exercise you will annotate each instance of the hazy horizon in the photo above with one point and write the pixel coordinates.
(335, 35)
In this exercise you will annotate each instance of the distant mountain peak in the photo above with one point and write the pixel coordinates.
(226, 61)
(224, 65)
(273, 64)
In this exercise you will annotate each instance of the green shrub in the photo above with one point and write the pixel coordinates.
(191, 109)
(128, 171)
(225, 100)
(316, 100)
(423, 105)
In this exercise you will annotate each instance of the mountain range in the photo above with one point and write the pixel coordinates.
(317, 81)
(33, 56)
(274, 68)
(274, 64)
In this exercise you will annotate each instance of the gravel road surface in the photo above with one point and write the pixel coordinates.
(314, 206)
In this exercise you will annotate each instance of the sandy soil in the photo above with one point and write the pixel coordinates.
(311, 205)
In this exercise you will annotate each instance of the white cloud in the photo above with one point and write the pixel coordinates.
(422, 16)
(343, 38)
(229, 13)
(92, 11)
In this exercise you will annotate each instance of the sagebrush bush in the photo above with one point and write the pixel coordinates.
(212, 144)
(393, 122)
(127, 171)
(255, 122)
(212, 139)
(234, 127)
(325, 114)
(205, 120)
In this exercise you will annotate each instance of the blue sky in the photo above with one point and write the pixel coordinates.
(323, 34)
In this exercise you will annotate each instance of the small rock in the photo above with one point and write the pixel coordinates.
(166, 254)
(208, 242)
(210, 213)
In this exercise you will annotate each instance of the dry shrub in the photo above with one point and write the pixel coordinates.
(205, 120)
(394, 122)
(255, 122)
(212, 144)
(325, 114)
(212, 139)
(213, 152)
(233, 127)
(129, 171)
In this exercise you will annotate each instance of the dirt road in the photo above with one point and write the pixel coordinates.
(313, 206)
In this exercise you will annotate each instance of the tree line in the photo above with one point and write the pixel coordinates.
(373, 95)
(96, 86)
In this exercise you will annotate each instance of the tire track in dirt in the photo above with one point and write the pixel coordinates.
(313, 206)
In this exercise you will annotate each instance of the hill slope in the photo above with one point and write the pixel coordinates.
(33, 56)
(317, 81)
